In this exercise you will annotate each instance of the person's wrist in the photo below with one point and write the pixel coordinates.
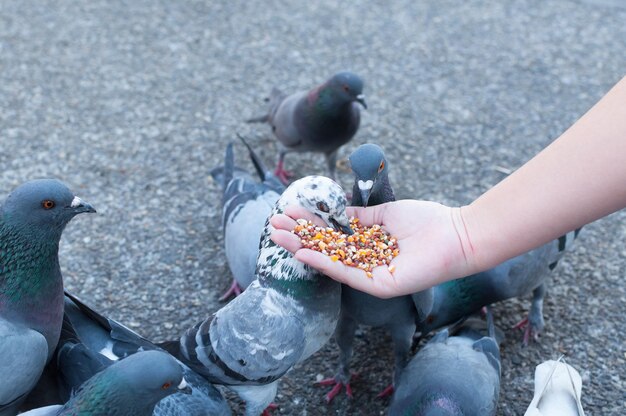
(464, 222)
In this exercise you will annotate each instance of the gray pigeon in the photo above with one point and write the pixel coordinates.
(456, 373)
(513, 278)
(320, 120)
(31, 285)
(90, 343)
(290, 310)
(246, 205)
(399, 315)
(130, 387)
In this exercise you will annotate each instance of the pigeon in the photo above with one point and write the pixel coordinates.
(558, 388)
(513, 278)
(91, 343)
(130, 387)
(320, 120)
(288, 313)
(371, 181)
(456, 373)
(246, 205)
(399, 315)
(32, 220)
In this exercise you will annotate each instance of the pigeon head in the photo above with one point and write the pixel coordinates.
(348, 87)
(42, 208)
(151, 374)
(369, 165)
(321, 196)
(133, 385)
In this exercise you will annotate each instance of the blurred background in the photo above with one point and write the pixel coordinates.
(133, 102)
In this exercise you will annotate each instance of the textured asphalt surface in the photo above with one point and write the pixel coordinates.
(132, 103)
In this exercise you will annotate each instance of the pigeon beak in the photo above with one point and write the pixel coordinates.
(365, 187)
(183, 387)
(80, 206)
(361, 100)
(365, 196)
(346, 229)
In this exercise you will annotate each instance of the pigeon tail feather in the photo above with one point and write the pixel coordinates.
(261, 170)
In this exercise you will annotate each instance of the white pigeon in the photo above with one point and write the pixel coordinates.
(558, 388)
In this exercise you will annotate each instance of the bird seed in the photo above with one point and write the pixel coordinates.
(367, 248)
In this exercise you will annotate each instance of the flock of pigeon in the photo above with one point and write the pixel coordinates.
(59, 356)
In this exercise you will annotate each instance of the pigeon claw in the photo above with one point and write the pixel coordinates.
(529, 331)
(283, 175)
(386, 393)
(337, 386)
(268, 410)
(233, 290)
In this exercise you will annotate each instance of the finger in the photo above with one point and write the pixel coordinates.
(352, 276)
(296, 212)
(282, 222)
(286, 239)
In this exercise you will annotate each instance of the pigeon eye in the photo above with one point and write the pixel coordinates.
(166, 386)
(381, 166)
(346, 88)
(322, 207)
(47, 204)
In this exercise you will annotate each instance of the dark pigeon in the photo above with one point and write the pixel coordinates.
(516, 277)
(456, 373)
(320, 120)
(399, 315)
(90, 343)
(130, 387)
(32, 220)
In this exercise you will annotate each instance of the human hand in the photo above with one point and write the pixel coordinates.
(430, 244)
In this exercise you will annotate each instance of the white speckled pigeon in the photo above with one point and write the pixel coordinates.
(320, 120)
(286, 314)
(513, 278)
(456, 373)
(400, 314)
(129, 387)
(90, 343)
(558, 389)
(247, 203)
(31, 285)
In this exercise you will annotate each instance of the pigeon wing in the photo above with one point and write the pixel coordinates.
(23, 355)
(231, 349)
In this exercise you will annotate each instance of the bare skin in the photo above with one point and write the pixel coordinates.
(577, 179)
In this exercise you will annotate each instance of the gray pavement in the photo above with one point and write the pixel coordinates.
(132, 103)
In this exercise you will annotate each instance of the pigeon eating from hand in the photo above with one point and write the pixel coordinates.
(288, 313)
(456, 373)
(247, 203)
(320, 120)
(130, 387)
(32, 220)
(400, 314)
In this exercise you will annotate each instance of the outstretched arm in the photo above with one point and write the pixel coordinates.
(577, 179)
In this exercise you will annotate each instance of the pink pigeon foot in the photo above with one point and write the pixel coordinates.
(268, 411)
(386, 393)
(337, 386)
(529, 331)
(234, 289)
(281, 173)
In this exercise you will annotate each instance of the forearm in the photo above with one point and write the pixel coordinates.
(577, 179)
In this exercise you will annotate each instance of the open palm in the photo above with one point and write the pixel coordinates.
(429, 246)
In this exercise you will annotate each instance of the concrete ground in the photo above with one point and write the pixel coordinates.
(132, 103)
